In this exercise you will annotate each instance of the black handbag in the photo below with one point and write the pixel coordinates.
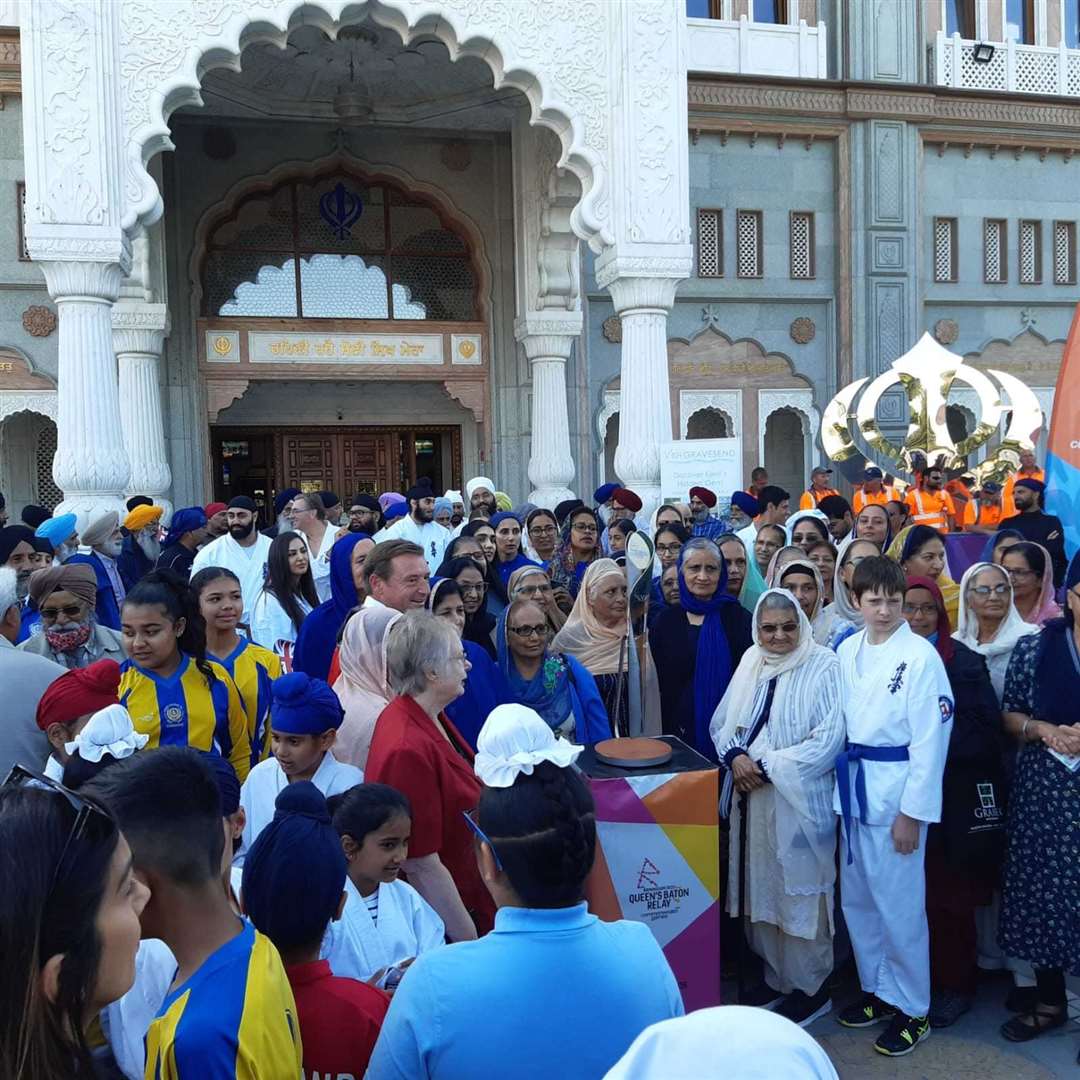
(973, 814)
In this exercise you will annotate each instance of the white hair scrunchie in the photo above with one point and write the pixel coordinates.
(514, 740)
(108, 731)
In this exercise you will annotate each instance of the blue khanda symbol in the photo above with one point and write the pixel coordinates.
(340, 209)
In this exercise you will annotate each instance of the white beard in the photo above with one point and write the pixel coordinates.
(149, 545)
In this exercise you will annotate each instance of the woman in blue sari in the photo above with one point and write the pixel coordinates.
(556, 685)
(485, 686)
(320, 631)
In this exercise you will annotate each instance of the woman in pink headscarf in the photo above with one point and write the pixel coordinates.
(1031, 572)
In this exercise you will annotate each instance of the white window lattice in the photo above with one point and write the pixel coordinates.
(48, 494)
(1072, 74)
(748, 243)
(1036, 71)
(710, 227)
(1029, 253)
(944, 249)
(995, 267)
(976, 76)
(802, 244)
(1064, 253)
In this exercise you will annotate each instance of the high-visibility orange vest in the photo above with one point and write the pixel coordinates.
(811, 498)
(930, 508)
(863, 498)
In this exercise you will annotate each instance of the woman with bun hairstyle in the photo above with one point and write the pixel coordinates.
(535, 840)
(175, 694)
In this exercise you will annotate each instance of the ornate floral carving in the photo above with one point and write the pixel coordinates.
(802, 330)
(611, 328)
(728, 402)
(42, 402)
(456, 155)
(221, 393)
(469, 394)
(38, 320)
(946, 331)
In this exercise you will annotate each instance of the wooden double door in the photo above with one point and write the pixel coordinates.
(261, 461)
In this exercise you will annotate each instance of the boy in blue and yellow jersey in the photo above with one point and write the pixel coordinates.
(229, 1012)
(250, 666)
(174, 694)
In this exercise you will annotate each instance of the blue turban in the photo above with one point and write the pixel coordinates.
(503, 515)
(394, 511)
(283, 498)
(227, 781)
(746, 502)
(442, 503)
(184, 521)
(57, 529)
(302, 705)
(603, 493)
(294, 873)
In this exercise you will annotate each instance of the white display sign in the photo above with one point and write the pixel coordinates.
(293, 348)
(712, 463)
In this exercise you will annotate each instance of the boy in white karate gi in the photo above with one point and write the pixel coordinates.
(898, 708)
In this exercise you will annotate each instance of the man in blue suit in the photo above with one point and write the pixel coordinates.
(105, 540)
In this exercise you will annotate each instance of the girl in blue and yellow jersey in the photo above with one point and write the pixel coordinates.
(250, 666)
(173, 692)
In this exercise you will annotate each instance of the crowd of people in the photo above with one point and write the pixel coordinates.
(303, 800)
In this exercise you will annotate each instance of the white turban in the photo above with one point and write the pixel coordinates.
(108, 731)
(514, 740)
(454, 497)
(723, 1043)
(479, 482)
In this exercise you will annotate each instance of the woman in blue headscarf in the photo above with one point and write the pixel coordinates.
(485, 686)
(698, 645)
(508, 554)
(997, 542)
(319, 632)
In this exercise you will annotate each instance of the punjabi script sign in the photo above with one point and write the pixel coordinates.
(277, 348)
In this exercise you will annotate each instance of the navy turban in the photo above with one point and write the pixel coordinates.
(184, 521)
(227, 781)
(283, 498)
(747, 503)
(303, 706)
(294, 873)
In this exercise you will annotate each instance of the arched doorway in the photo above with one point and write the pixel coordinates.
(27, 447)
(708, 424)
(785, 457)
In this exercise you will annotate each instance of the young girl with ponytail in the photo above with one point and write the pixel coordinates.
(488, 1007)
(174, 694)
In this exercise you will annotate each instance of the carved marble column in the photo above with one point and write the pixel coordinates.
(91, 464)
(548, 339)
(139, 331)
(643, 304)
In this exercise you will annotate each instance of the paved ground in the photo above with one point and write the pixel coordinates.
(972, 1049)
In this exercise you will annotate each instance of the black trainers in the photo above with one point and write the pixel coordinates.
(902, 1035)
(947, 1006)
(866, 1012)
(762, 996)
(803, 1009)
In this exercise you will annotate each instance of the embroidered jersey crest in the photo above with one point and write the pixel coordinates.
(945, 705)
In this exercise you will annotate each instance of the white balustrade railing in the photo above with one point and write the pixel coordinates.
(1010, 67)
(723, 47)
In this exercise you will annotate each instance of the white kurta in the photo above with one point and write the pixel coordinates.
(266, 780)
(894, 694)
(432, 537)
(406, 926)
(127, 1020)
(270, 623)
(247, 563)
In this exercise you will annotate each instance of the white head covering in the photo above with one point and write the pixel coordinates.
(813, 512)
(1011, 628)
(514, 740)
(728, 1042)
(454, 497)
(478, 482)
(841, 600)
(108, 731)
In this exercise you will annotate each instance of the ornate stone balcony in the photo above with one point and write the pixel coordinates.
(722, 47)
(1005, 66)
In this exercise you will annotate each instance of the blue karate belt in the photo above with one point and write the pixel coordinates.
(859, 753)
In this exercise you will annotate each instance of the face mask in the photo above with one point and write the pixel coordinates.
(68, 638)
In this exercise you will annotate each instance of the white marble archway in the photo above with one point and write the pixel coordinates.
(799, 401)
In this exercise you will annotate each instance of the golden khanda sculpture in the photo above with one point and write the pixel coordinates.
(927, 374)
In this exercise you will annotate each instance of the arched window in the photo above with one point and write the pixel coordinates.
(338, 247)
(708, 423)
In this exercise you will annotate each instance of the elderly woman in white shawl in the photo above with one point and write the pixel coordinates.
(989, 622)
(777, 731)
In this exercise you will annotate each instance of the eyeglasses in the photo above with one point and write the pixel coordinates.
(668, 549)
(87, 815)
(72, 611)
(529, 631)
(772, 629)
(583, 527)
(470, 820)
(920, 609)
(361, 512)
(990, 590)
(1014, 572)
(533, 590)
(542, 530)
